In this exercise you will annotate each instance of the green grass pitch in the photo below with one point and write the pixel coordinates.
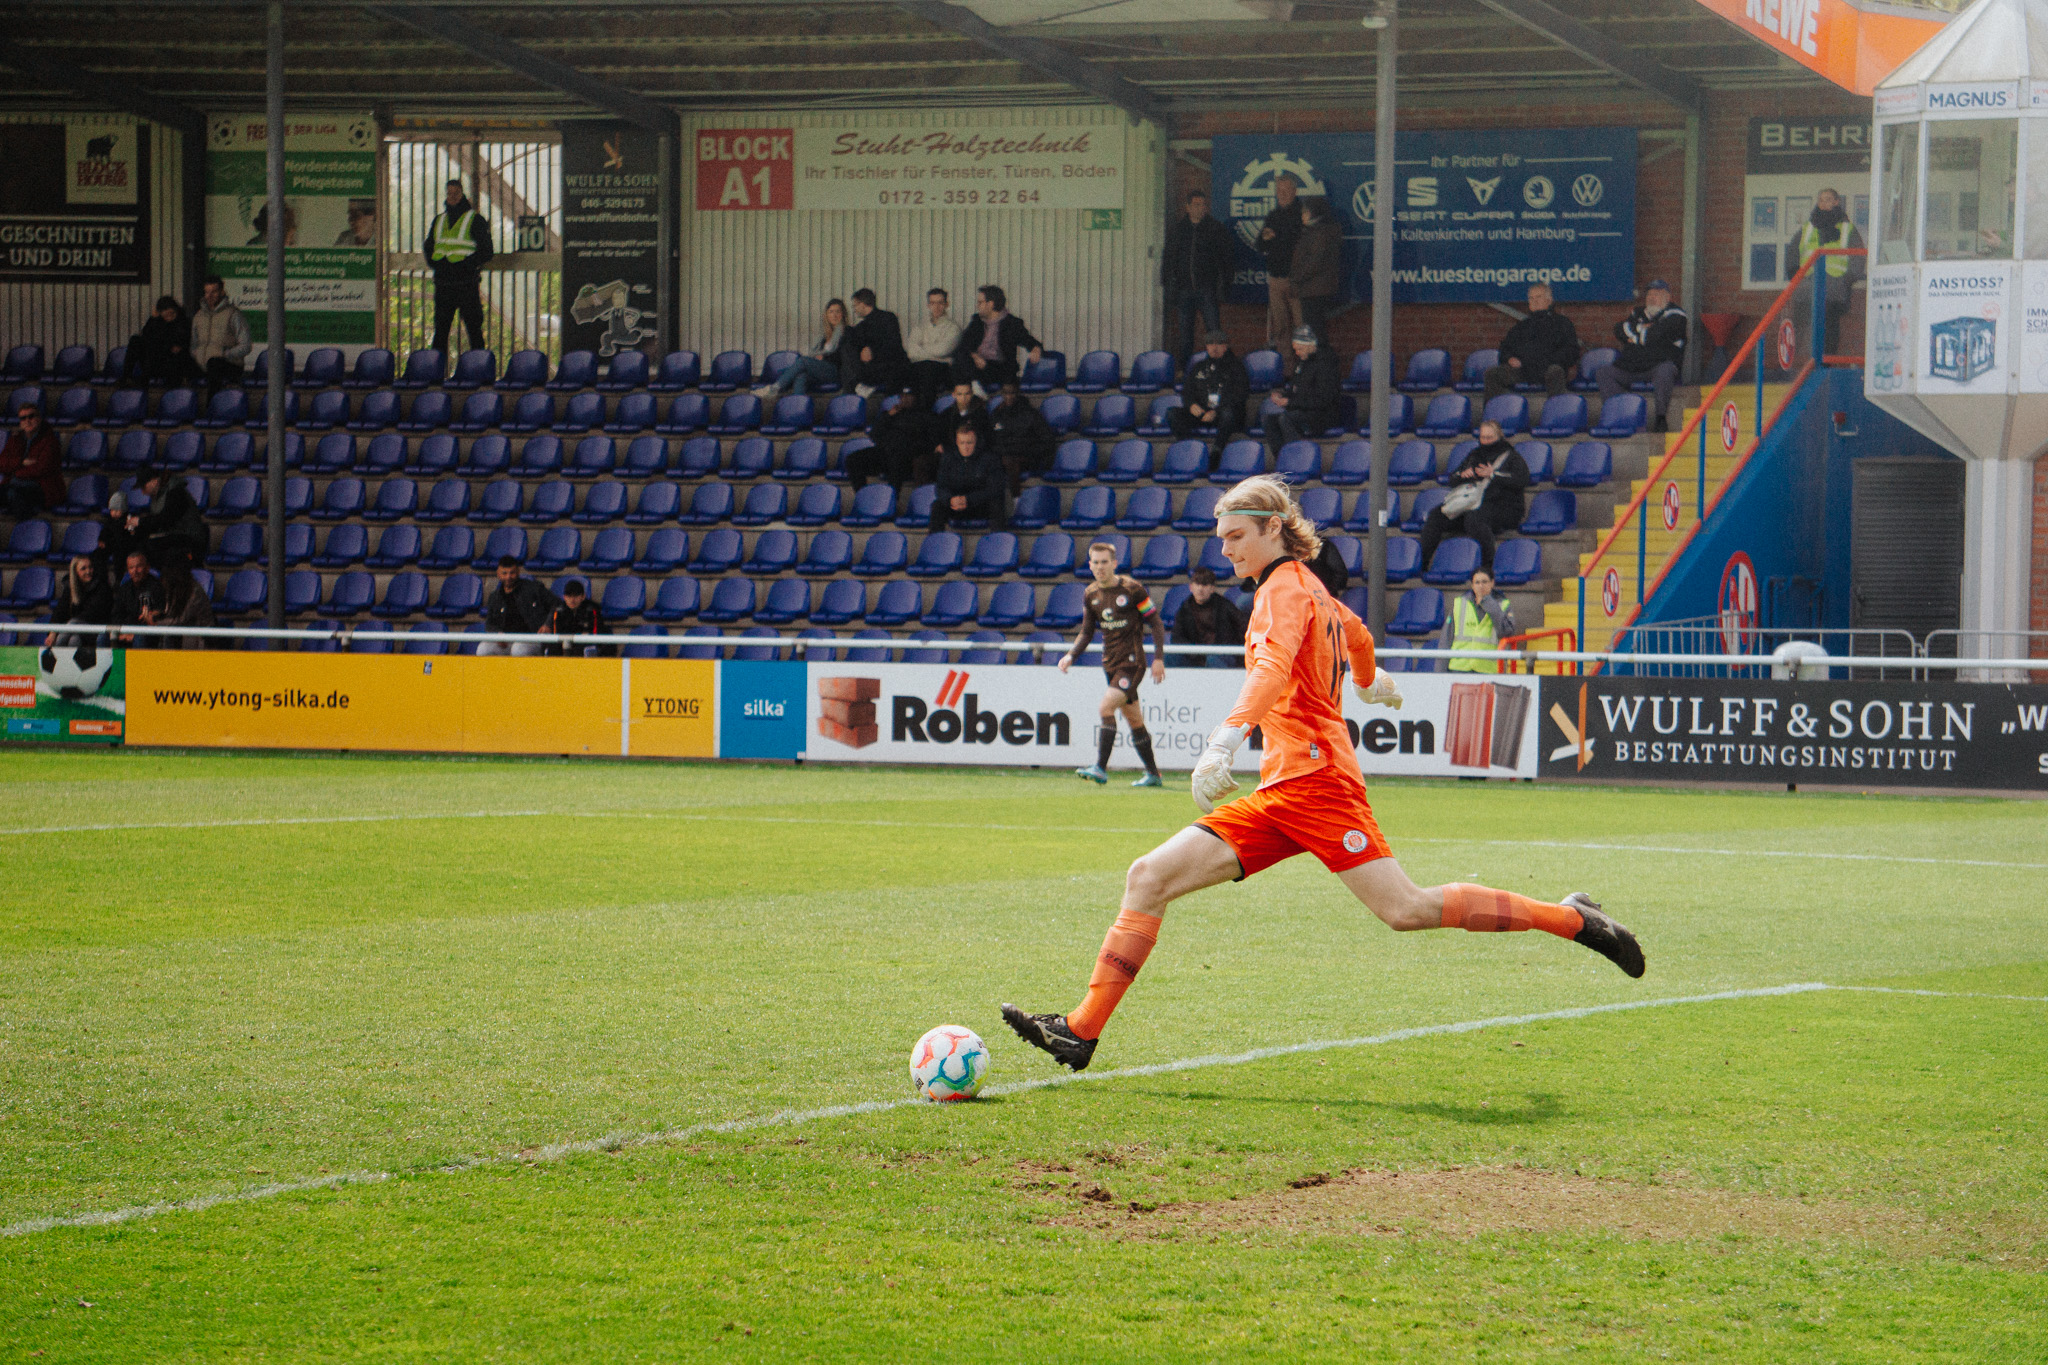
(424, 978)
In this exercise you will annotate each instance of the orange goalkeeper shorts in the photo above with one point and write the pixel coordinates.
(1321, 812)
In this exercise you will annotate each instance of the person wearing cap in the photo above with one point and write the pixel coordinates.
(118, 536)
(30, 465)
(1318, 272)
(1309, 401)
(517, 606)
(1215, 392)
(1193, 268)
(1652, 341)
(575, 614)
(174, 529)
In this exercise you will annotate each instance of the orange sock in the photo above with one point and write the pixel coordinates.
(1483, 910)
(1124, 950)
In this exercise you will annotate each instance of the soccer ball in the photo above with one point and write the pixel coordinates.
(949, 1063)
(73, 672)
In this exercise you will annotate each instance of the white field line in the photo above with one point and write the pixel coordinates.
(723, 818)
(1945, 995)
(790, 1117)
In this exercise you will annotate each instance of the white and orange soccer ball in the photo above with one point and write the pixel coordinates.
(949, 1063)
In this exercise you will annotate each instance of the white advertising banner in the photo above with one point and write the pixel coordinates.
(994, 168)
(1965, 327)
(2033, 326)
(1888, 327)
(1452, 725)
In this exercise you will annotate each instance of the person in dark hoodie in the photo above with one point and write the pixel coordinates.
(1024, 440)
(576, 614)
(174, 529)
(1504, 476)
(1540, 349)
(457, 245)
(1214, 394)
(161, 353)
(1193, 268)
(1309, 403)
(970, 482)
(906, 441)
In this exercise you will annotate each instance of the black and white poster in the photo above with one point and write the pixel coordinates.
(610, 242)
(74, 201)
(1870, 734)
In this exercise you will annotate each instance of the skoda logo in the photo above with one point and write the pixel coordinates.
(1587, 190)
(1537, 191)
(1251, 197)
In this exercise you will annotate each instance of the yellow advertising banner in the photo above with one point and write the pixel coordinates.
(452, 704)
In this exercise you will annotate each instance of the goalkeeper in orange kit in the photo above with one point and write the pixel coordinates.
(1311, 796)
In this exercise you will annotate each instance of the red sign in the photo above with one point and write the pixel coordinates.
(1788, 344)
(18, 689)
(745, 168)
(1610, 591)
(1738, 605)
(1731, 427)
(1673, 500)
(96, 727)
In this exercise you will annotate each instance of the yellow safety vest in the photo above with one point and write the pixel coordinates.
(1472, 628)
(1810, 242)
(452, 241)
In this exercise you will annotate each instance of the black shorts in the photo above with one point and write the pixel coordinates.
(1126, 681)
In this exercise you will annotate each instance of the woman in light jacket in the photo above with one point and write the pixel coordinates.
(822, 364)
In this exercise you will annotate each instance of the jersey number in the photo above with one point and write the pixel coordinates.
(1336, 658)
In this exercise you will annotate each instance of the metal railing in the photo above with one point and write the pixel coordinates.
(1565, 635)
(1701, 636)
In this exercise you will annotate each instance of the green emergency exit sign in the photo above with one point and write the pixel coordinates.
(1105, 220)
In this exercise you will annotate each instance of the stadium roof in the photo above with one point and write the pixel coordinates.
(1161, 57)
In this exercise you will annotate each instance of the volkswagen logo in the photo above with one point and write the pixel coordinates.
(1587, 190)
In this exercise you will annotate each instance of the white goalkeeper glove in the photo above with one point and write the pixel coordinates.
(1212, 780)
(1382, 691)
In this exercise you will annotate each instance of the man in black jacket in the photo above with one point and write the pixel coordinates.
(1216, 389)
(576, 614)
(138, 600)
(1277, 236)
(1206, 618)
(1309, 402)
(174, 530)
(906, 436)
(1024, 440)
(517, 606)
(987, 354)
(1503, 503)
(970, 482)
(161, 353)
(880, 364)
(1193, 269)
(1540, 349)
(457, 245)
(1652, 346)
(969, 409)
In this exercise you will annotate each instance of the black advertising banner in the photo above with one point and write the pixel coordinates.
(74, 201)
(1882, 734)
(610, 217)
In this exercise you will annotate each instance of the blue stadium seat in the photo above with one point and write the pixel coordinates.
(1122, 543)
(78, 406)
(539, 458)
(343, 499)
(845, 414)
(1411, 462)
(1350, 464)
(1563, 416)
(917, 509)
(559, 547)
(378, 411)
(1185, 462)
(1324, 507)
(1044, 374)
(424, 369)
(730, 370)
(1050, 556)
(585, 411)
(324, 369)
(1421, 506)
(627, 371)
(1450, 414)
(1240, 460)
(699, 458)
(1093, 507)
(1586, 464)
(793, 413)
(404, 594)
(333, 453)
(1473, 378)
(836, 467)
(72, 366)
(182, 451)
(679, 370)
(1265, 370)
(1198, 512)
(110, 374)
(80, 538)
(480, 411)
(258, 376)
(1166, 556)
(1073, 462)
(228, 408)
(610, 551)
(29, 540)
(376, 368)
(1099, 370)
(398, 547)
(1511, 410)
(533, 412)
(1551, 512)
(986, 651)
(24, 365)
(430, 411)
(1585, 381)
(753, 458)
(1621, 416)
(937, 556)
(1009, 604)
(899, 603)
(1129, 461)
(657, 502)
(706, 651)
(1419, 612)
(885, 553)
(1515, 562)
(84, 496)
(844, 602)
(388, 454)
(789, 601)
(1455, 559)
(1155, 422)
(552, 501)
(134, 450)
(396, 499)
(954, 604)
(352, 594)
(646, 457)
(1351, 553)
(1062, 412)
(1428, 371)
(246, 592)
(1212, 559)
(995, 556)
(231, 453)
(1299, 462)
(1357, 380)
(1150, 372)
(578, 371)
(1063, 607)
(674, 600)
(624, 598)
(602, 503)
(525, 370)
(474, 370)
(502, 500)
(176, 408)
(1404, 558)
(774, 553)
(873, 505)
(666, 550)
(802, 460)
(1535, 454)
(1114, 414)
(831, 553)
(737, 415)
(447, 500)
(765, 502)
(239, 543)
(431, 637)
(1146, 509)
(239, 497)
(461, 594)
(1037, 506)
(776, 365)
(595, 456)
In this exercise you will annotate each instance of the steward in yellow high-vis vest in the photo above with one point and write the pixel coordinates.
(1829, 226)
(1478, 620)
(458, 244)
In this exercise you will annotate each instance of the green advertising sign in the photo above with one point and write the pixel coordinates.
(66, 693)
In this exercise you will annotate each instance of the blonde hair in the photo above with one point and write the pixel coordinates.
(1263, 495)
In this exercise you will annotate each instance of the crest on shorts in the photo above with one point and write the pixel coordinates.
(1354, 841)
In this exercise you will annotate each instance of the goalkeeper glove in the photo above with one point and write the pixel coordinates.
(1381, 691)
(1212, 780)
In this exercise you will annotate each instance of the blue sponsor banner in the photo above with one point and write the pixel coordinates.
(760, 709)
(1480, 216)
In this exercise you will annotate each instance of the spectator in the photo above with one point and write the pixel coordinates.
(1540, 349)
(220, 337)
(84, 596)
(1276, 242)
(1501, 475)
(173, 530)
(118, 536)
(138, 601)
(1216, 389)
(1828, 226)
(1652, 345)
(880, 363)
(824, 363)
(576, 614)
(457, 246)
(1309, 401)
(30, 462)
(987, 354)
(517, 606)
(970, 482)
(1208, 617)
(1318, 266)
(161, 353)
(968, 409)
(185, 604)
(907, 435)
(1478, 620)
(1328, 566)
(1193, 268)
(1024, 440)
(930, 347)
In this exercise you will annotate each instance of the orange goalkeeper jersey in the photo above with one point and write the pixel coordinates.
(1297, 644)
